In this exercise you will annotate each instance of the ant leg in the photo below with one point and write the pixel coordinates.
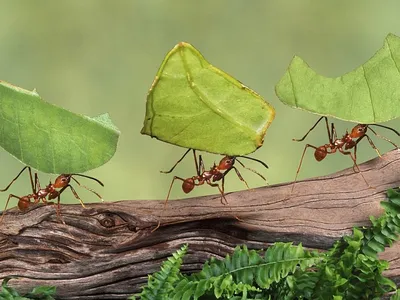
(5, 208)
(37, 183)
(301, 162)
(383, 138)
(354, 159)
(57, 206)
(19, 174)
(240, 177)
(173, 167)
(373, 145)
(201, 167)
(250, 169)
(223, 186)
(333, 135)
(73, 192)
(223, 190)
(170, 188)
(220, 190)
(312, 128)
(166, 200)
(89, 189)
(31, 179)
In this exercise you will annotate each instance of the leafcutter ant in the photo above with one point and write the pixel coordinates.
(50, 192)
(343, 145)
(213, 175)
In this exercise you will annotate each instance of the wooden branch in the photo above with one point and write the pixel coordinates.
(107, 250)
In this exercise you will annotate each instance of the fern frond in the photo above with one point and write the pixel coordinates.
(395, 296)
(349, 270)
(245, 272)
(38, 293)
(161, 284)
(352, 268)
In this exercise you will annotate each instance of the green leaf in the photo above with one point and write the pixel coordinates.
(44, 290)
(368, 94)
(161, 283)
(52, 139)
(38, 293)
(195, 105)
(396, 296)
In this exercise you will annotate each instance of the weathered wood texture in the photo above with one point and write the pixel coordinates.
(107, 250)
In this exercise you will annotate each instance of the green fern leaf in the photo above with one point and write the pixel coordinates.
(162, 283)
(395, 296)
(280, 260)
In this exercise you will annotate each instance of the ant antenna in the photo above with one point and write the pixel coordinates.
(254, 159)
(86, 176)
(254, 171)
(89, 189)
(386, 127)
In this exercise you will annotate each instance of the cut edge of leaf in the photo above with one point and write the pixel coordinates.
(296, 57)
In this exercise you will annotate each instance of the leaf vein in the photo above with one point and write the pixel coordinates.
(294, 91)
(391, 55)
(369, 91)
(210, 105)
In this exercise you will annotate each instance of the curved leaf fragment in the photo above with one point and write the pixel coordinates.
(52, 139)
(368, 94)
(195, 105)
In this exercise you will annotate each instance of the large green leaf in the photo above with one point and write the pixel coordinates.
(195, 105)
(52, 139)
(368, 94)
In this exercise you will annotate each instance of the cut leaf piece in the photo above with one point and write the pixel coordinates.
(52, 139)
(195, 105)
(368, 94)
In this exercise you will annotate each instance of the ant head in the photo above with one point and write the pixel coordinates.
(358, 131)
(62, 181)
(226, 163)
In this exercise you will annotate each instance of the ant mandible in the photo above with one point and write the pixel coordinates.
(50, 192)
(347, 142)
(210, 177)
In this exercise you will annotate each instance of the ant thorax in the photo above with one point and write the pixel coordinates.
(207, 174)
(339, 143)
(217, 177)
(42, 194)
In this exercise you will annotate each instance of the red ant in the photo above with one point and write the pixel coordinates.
(216, 173)
(50, 191)
(347, 142)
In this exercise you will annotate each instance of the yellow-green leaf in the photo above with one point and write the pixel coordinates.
(195, 105)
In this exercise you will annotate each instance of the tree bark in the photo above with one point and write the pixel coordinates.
(106, 251)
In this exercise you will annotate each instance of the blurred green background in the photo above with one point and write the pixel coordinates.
(97, 56)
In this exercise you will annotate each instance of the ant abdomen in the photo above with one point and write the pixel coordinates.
(320, 153)
(24, 203)
(188, 185)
